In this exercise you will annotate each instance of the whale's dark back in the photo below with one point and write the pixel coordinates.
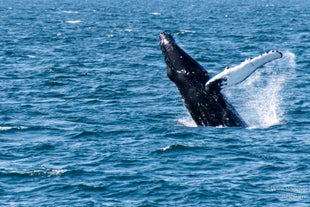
(208, 107)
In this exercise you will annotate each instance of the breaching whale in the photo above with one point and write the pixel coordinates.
(202, 94)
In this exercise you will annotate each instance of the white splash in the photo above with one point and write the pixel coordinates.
(261, 94)
(187, 121)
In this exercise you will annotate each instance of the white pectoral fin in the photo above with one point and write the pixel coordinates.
(237, 74)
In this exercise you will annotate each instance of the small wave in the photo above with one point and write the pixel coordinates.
(48, 172)
(173, 147)
(7, 128)
(73, 21)
(128, 30)
(31, 56)
(70, 12)
(41, 172)
(155, 13)
(86, 134)
(186, 32)
(176, 148)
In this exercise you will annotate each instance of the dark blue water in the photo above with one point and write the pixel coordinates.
(89, 117)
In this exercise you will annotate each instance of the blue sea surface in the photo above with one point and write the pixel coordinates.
(90, 118)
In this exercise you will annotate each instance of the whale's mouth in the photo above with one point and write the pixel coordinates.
(167, 45)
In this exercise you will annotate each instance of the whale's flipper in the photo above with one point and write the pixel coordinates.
(237, 74)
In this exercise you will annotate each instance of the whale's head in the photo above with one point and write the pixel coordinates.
(181, 68)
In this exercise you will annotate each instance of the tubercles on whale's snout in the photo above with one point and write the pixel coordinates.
(165, 39)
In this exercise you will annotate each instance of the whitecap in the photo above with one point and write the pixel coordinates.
(74, 21)
(166, 148)
(31, 56)
(155, 13)
(49, 172)
(70, 12)
(6, 128)
(185, 31)
(128, 30)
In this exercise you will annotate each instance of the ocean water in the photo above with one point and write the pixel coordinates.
(89, 117)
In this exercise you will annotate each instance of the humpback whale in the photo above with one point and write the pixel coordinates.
(201, 93)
